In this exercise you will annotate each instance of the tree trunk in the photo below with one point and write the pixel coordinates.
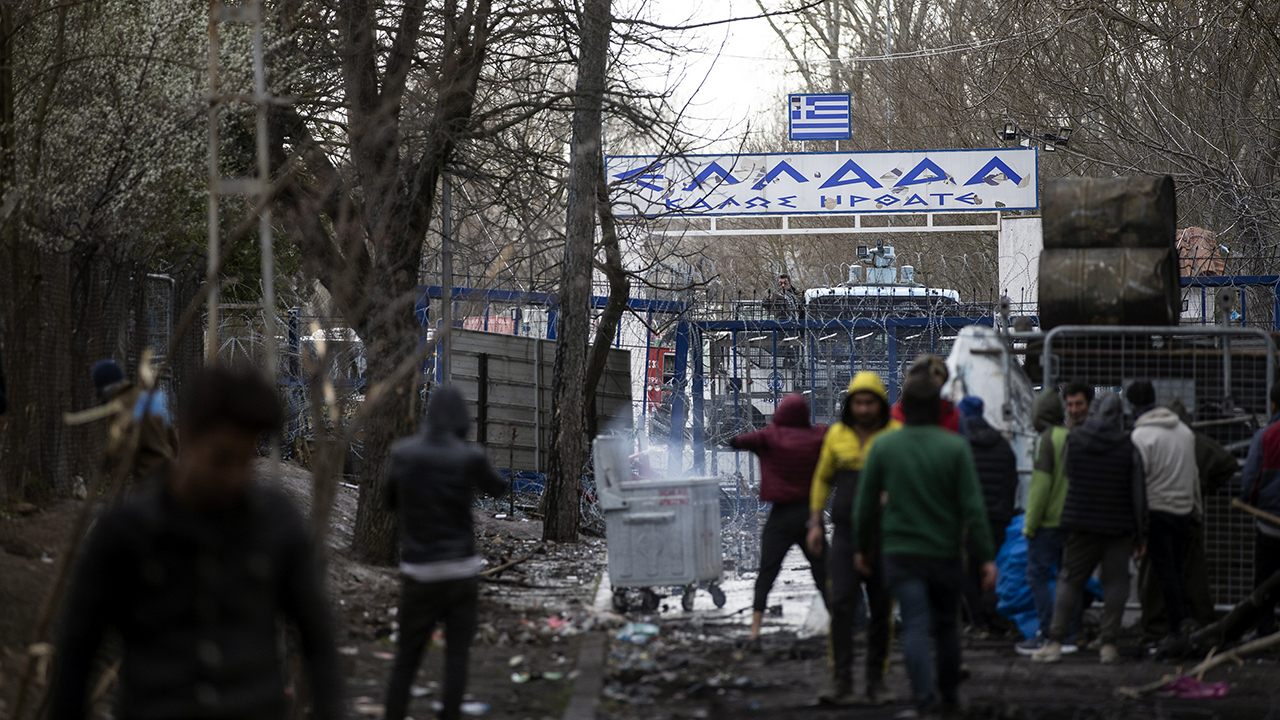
(390, 339)
(568, 437)
(619, 291)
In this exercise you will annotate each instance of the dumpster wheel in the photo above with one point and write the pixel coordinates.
(620, 600)
(717, 595)
(686, 601)
(648, 600)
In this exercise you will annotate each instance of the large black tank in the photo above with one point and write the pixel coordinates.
(1109, 254)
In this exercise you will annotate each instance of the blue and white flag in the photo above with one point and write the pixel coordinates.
(820, 117)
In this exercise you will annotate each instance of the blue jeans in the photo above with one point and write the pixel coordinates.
(928, 593)
(1044, 552)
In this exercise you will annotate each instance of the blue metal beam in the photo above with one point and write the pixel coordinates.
(699, 418)
(870, 323)
(675, 444)
(1230, 280)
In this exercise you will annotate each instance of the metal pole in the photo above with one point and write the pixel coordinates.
(537, 404)
(264, 219)
(888, 72)
(446, 281)
(737, 407)
(211, 335)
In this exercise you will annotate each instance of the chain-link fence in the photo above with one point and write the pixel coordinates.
(1221, 375)
(61, 310)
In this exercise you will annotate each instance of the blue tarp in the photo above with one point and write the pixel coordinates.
(1016, 602)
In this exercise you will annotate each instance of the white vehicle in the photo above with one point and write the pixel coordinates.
(819, 343)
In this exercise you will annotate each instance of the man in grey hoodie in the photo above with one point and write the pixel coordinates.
(1168, 450)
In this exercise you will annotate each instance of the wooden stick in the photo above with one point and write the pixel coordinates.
(505, 566)
(1200, 675)
(1237, 503)
(1209, 663)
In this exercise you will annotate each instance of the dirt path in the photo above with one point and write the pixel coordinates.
(534, 612)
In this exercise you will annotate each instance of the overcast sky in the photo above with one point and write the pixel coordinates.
(736, 74)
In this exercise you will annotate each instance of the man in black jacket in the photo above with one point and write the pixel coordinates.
(1105, 518)
(195, 572)
(998, 473)
(432, 481)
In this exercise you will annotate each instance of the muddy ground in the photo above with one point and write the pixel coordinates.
(533, 613)
(696, 668)
(536, 614)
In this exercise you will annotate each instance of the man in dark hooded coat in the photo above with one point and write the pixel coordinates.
(1105, 519)
(432, 481)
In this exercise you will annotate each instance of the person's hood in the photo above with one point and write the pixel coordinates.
(1176, 405)
(1105, 425)
(867, 381)
(446, 413)
(1159, 417)
(1047, 411)
(793, 411)
(980, 432)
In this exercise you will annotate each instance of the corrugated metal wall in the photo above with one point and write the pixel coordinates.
(496, 374)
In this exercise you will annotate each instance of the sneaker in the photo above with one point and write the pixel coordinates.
(1109, 654)
(878, 694)
(1050, 653)
(1094, 644)
(1069, 647)
(754, 645)
(1029, 646)
(907, 714)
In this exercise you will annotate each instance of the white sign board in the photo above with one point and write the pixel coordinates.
(824, 183)
(820, 117)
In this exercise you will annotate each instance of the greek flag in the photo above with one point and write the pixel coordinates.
(820, 117)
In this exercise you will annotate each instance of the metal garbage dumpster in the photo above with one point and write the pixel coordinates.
(660, 533)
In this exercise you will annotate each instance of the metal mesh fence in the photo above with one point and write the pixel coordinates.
(61, 310)
(1221, 375)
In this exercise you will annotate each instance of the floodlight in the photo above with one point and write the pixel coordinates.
(1064, 135)
(1050, 147)
(1025, 142)
(863, 252)
(1010, 131)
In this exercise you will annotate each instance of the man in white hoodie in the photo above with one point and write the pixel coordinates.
(1168, 450)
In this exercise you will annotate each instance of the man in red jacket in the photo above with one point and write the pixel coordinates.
(936, 367)
(788, 450)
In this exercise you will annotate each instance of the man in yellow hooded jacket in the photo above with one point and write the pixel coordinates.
(864, 417)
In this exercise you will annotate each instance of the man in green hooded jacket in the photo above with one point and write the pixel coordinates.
(1046, 495)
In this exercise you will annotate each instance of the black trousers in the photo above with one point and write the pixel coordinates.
(422, 606)
(980, 605)
(1167, 546)
(785, 527)
(1266, 562)
(845, 603)
(1195, 575)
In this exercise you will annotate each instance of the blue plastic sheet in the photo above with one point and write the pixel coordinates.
(1015, 601)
